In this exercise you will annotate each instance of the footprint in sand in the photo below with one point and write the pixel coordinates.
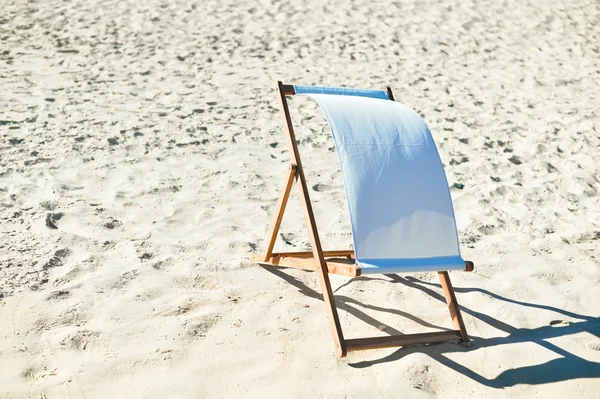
(34, 372)
(81, 340)
(73, 273)
(199, 328)
(124, 279)
(589, 339)
(421, 378)
(204, 283)
(57, 295)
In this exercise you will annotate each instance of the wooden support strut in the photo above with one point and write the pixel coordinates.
(283, 199)
(453, 305)
(315, 242)
(347, 253)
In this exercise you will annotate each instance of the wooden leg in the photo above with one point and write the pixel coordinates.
(453, 305)
(322, 271)
(283, 199)
(311, 225)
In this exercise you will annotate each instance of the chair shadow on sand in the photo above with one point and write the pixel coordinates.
(568, 366)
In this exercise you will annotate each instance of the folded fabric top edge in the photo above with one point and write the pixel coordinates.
(342, 91)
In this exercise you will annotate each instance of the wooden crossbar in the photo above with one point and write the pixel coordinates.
(306, 254)
(340, 261)
(342, 266)
(392, 341)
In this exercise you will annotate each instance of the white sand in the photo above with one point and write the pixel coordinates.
(152, 128)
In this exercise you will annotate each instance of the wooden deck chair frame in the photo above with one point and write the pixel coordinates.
(339, 262)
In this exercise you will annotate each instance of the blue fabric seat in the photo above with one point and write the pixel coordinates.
(398, 197)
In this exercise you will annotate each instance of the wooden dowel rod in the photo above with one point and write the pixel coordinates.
(400, 340)
(306, 254)
(289, 90)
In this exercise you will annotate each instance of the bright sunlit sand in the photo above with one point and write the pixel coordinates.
(141, 157)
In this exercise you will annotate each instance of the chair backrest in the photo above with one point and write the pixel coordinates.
(399, 201)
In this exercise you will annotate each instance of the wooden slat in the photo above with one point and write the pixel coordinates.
(400, 340)
(283, 199)
(343, 267)
(281, 261)
(453, 305)
(309, 254)
(313, 234)
(469, 266)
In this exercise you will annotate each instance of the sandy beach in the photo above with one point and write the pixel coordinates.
(141, 158)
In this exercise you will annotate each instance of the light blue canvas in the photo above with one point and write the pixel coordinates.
(342, 91)
(400, 207)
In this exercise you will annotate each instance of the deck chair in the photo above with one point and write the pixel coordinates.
(398, 197)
